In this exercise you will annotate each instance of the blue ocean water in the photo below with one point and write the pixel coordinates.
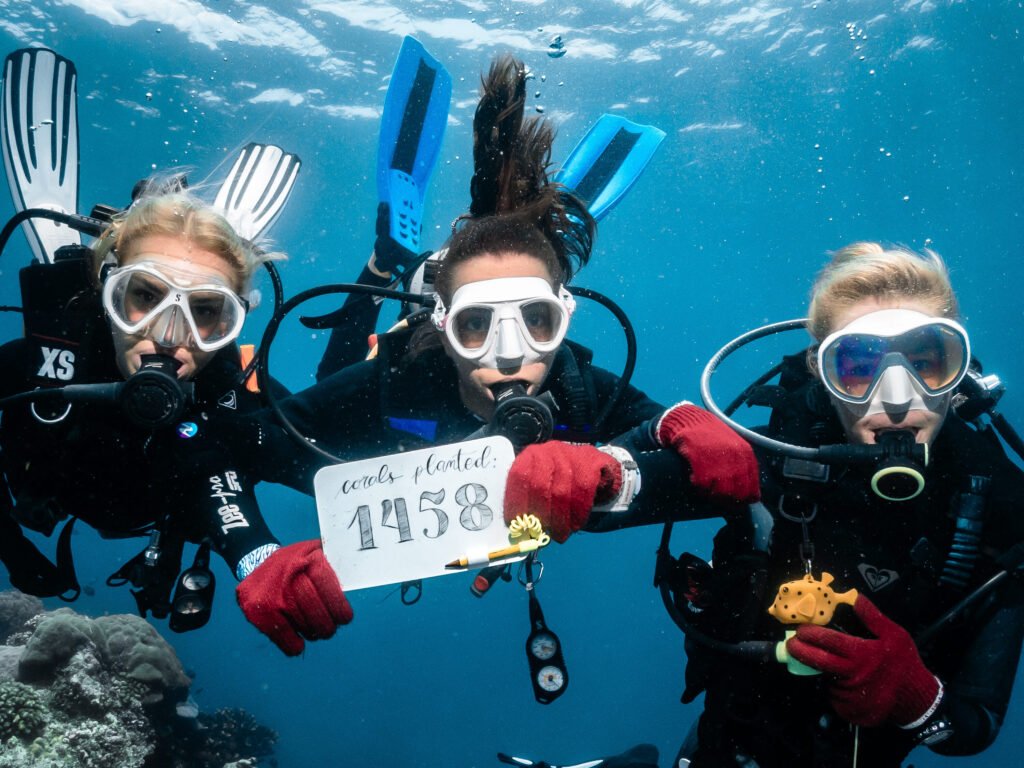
(793, 129)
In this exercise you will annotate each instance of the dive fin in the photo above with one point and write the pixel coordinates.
(608, 161)
(640, 756)
(257, 188)
(39, 132)
(411, 129)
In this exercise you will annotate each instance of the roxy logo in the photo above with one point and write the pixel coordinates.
(877, 578)
(57, 364)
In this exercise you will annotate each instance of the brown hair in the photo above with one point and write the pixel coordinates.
(515, 206)
(869, 270)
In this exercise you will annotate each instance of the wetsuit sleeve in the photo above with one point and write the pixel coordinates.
(978, 689)
(217, 501)
(978, 693)
(347, 344)
(665, 492)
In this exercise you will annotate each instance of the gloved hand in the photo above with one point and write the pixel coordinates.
(294, 594)
(722, 464)
(388, 254)
(560, 483)
(876, 681)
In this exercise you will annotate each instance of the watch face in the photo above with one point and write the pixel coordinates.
(543, 645)
(550, 678)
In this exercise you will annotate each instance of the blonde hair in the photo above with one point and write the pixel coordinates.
(178, 214)
(869, 270)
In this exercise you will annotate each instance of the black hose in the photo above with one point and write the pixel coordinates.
(270, 333)
(84, 224)
(749, 650)
(631, 350)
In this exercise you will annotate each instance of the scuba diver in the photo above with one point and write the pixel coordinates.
(497, 338)
(128, 355)
(601, 169)
(125, 449)
(878, 477)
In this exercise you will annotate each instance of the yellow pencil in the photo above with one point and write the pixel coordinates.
(515, 549)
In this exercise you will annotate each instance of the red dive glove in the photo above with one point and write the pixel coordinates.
(560, 483)
(294, 594)
(722, 464)
(877, 681)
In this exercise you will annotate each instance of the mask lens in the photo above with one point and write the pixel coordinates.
(472, 325)
(212, 313)
(138, 296)
(935, 353)
(541, 321)
(852, 363)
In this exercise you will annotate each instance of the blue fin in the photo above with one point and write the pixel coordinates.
(39, 131)
(608, 161)
(411, 129)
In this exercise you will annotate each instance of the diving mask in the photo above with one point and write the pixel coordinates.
(173, 307)
(894, 359)
(506, 322)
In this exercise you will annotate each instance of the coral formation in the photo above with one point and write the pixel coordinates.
(124, 645)
(15, 609)
(22, 712)
(103, 692)
(232, 734)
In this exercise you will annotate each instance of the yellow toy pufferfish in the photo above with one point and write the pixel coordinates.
(809, 601)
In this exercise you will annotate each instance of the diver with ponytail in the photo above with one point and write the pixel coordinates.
(498, 332)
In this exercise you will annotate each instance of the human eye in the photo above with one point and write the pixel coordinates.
(538, 321)
(205, 310)
(143, 295)
(472, 325)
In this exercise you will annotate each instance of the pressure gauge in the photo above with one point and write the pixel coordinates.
(543, 645)
(551, 678)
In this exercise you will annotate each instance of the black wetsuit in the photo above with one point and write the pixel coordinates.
(391, 403)
(97, 466)
(892, 552)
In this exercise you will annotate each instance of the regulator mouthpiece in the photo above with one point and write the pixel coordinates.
(153, 397)
(899, 474)
(523, 419)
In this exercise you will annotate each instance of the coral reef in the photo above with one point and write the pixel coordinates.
(92, 693)
(16, 608)
(126, 645)
(22, 712)
(232, 734)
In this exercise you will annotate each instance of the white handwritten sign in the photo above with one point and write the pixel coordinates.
(404, 517)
